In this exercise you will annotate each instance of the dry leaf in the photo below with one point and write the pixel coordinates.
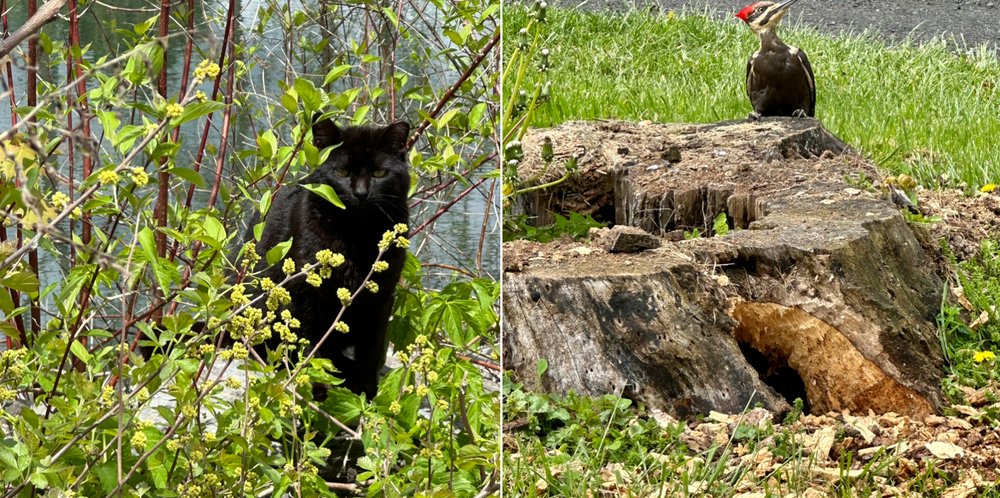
(959, 293)
(944, 451)
(983, 318)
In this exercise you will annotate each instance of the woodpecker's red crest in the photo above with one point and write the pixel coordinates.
(744, 14)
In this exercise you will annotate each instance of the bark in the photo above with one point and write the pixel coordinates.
(42, 17)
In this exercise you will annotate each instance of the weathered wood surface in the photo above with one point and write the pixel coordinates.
(821, 292)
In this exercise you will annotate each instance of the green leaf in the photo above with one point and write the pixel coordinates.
(189, 175)
(80, 351)
(347, 405)
(336, 73)
(215, 231)
(147, 241)
(443, 120)
(23, 281)
(391, 15)
(142, 27)
(164, 150)
(309, 94)
(476, 114)
(289, 102)
(719, 225)
(38, 479)
(197, 110)
(541, 366)
(325, 191)
(267, 143)
(278, 252)
(265, 203)
(361, 114)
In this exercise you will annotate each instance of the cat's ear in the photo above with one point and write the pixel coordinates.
(326, 133)
(395, 136)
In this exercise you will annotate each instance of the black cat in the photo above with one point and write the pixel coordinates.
(369, 172)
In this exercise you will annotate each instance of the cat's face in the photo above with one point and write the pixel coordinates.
(368, 169)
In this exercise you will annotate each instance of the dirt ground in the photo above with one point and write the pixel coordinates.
(969, 23)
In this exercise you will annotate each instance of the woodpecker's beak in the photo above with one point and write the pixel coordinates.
(785, 5)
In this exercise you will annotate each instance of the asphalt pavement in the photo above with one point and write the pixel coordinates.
(964, 23)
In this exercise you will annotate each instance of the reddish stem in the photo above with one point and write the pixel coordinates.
(446, 207)
(83, 109)
(226, 41)
(163, 178)
(480, 57)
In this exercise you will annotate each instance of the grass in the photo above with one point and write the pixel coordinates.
(922, 109)
(605, 446)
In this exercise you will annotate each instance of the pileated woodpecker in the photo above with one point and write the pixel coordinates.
(779, 78)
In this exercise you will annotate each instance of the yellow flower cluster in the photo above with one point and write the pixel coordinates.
(402, 242)
(245, 324)
(107, 395)
(206, 70)
(371, 286)
(60, 201)
(240, 351)
(982, 356)
(380, 266)
(142, 395)
(108, 177)
(250, 256)
(12, 362)
(139, 177)
(431, 453)
(386, 240)
(285, 332)
(314, 279)
(200, 96)
(266, 284)
(341, 327)
(238, 295)
(278, 297)
(288, 266)
(174, 110)
(6, 394)
(330, 258)
(139, 440)
(344, 295)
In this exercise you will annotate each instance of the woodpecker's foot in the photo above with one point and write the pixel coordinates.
(753, 117)
(799, 113)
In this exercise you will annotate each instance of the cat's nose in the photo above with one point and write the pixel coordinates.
(361, 192)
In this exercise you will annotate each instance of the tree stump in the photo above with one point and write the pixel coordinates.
(820, 290)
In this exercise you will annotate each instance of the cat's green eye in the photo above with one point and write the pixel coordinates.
(342, 172)
(379, 173)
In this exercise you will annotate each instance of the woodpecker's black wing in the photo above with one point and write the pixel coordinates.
(811, 111)
(749, 68)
